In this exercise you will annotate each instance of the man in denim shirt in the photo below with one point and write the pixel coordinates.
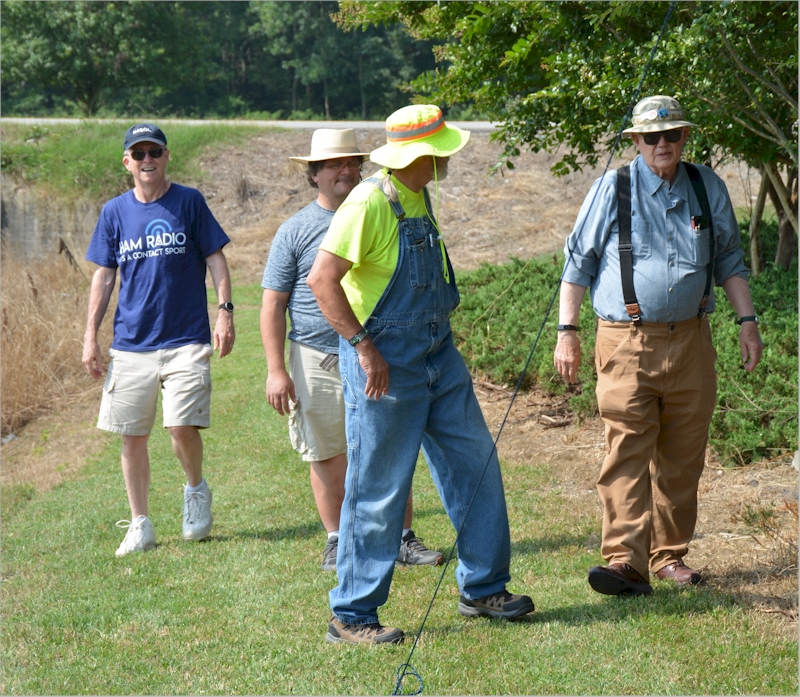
(656, 382)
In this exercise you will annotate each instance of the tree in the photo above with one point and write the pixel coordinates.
(557, 74)
(85, 49)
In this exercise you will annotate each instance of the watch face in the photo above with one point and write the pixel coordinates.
(227, 306)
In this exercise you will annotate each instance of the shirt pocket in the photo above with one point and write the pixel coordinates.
(642, 239)
(700, 252)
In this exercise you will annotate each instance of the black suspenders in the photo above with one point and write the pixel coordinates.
(626, 249)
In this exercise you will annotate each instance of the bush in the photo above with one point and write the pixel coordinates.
(500, 320)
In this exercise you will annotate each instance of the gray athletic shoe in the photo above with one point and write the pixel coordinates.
(197, 517)
(502, 604)
(373, 633)
(413, 552)
(329, 554)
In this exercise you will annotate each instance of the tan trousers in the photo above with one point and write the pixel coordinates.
(656, 390)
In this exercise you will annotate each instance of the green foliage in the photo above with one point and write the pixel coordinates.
(564, 73)
(499, 319)
(501, 314)
(204, 59)
(55, 157)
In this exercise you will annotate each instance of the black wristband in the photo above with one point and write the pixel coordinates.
(749, 318)
(360, 336)
(567, 328)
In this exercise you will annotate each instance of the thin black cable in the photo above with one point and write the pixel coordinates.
(406, 667)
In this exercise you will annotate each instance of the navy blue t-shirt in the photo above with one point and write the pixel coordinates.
(161, 249)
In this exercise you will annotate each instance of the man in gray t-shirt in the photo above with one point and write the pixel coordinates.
(311, 391)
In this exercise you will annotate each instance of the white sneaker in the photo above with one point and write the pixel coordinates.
(140, 536)
(197, 513)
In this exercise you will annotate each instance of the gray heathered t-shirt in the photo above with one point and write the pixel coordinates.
(290, 259)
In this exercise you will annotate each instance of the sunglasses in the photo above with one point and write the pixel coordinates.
(672, 136)
(155, 153)
(339, 165)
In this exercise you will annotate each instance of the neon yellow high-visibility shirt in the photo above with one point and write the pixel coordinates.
(364, 231)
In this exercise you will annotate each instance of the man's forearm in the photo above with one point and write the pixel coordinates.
(273, 331)
(99, 297)
(218, 266)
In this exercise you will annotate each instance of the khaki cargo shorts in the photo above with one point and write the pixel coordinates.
(130, 393)
(316, 420)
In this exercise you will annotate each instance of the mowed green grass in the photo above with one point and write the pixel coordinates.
(246, 611)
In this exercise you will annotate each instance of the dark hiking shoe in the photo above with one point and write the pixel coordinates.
(329, 554)
(373, 633)
(502, 604)
(413, 552)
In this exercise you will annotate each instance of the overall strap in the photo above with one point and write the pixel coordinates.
(625, 246)
(706, 221)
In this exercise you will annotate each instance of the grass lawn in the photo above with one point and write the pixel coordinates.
(245, 612)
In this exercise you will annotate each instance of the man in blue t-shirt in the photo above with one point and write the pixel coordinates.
(161, 236)
(311, 391)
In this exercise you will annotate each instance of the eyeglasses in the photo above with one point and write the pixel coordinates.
(155, 153)
(339, 165)
(672, 136)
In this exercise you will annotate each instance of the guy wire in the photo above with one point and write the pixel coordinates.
(406, 667)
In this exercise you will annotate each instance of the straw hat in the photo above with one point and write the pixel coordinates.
(657, 113)
(330, 144)
(415, 131)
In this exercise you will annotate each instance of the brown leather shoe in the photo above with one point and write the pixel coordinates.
(679, 573)
(618, 579)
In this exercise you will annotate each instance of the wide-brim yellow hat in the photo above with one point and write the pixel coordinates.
(657, 113)
(415, 131)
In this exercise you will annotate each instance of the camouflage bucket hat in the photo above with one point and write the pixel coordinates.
(657, 113)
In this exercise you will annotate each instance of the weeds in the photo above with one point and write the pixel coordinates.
(762, 521)
(44, 308)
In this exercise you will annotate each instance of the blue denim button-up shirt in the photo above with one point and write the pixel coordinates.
(669, 257)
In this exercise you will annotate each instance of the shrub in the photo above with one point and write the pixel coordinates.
(500, 321)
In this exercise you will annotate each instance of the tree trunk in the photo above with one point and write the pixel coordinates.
(756, 260)
(294, 90)
(787, 236)
(361, 86)
(327, 100)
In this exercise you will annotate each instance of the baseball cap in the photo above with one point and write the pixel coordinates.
(144, 132)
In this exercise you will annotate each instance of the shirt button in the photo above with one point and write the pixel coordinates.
(670, 238)
(672, 263)
(670, 290)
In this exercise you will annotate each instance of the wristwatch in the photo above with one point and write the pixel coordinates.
(360, 336)
(567, 328)
(227, 306)
(749, 318)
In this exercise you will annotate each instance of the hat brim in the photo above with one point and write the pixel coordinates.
(656, 127)
(445, 142)
(329, 156)
(146, 139)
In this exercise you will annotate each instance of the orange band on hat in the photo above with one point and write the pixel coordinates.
(414, 131)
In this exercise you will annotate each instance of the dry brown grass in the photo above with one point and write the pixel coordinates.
(44, 306)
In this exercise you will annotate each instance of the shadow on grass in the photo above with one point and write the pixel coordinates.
(547, 544)
(302, 531)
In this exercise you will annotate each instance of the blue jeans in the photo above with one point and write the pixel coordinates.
(430, 404)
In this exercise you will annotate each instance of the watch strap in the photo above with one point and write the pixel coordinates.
(748, 318)
(567, 328)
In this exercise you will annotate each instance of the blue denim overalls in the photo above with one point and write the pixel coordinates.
(430, 403)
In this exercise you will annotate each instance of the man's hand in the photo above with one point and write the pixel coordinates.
(224, 335)
(280, 390)
(751, 344)
(376, 369)
(92, 357)
(567, 357)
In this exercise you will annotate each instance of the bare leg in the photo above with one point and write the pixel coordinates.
(188, 447)
(136, 471)
(409, 511)
(327, 483)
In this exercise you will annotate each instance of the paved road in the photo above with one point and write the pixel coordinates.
(473, 126)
